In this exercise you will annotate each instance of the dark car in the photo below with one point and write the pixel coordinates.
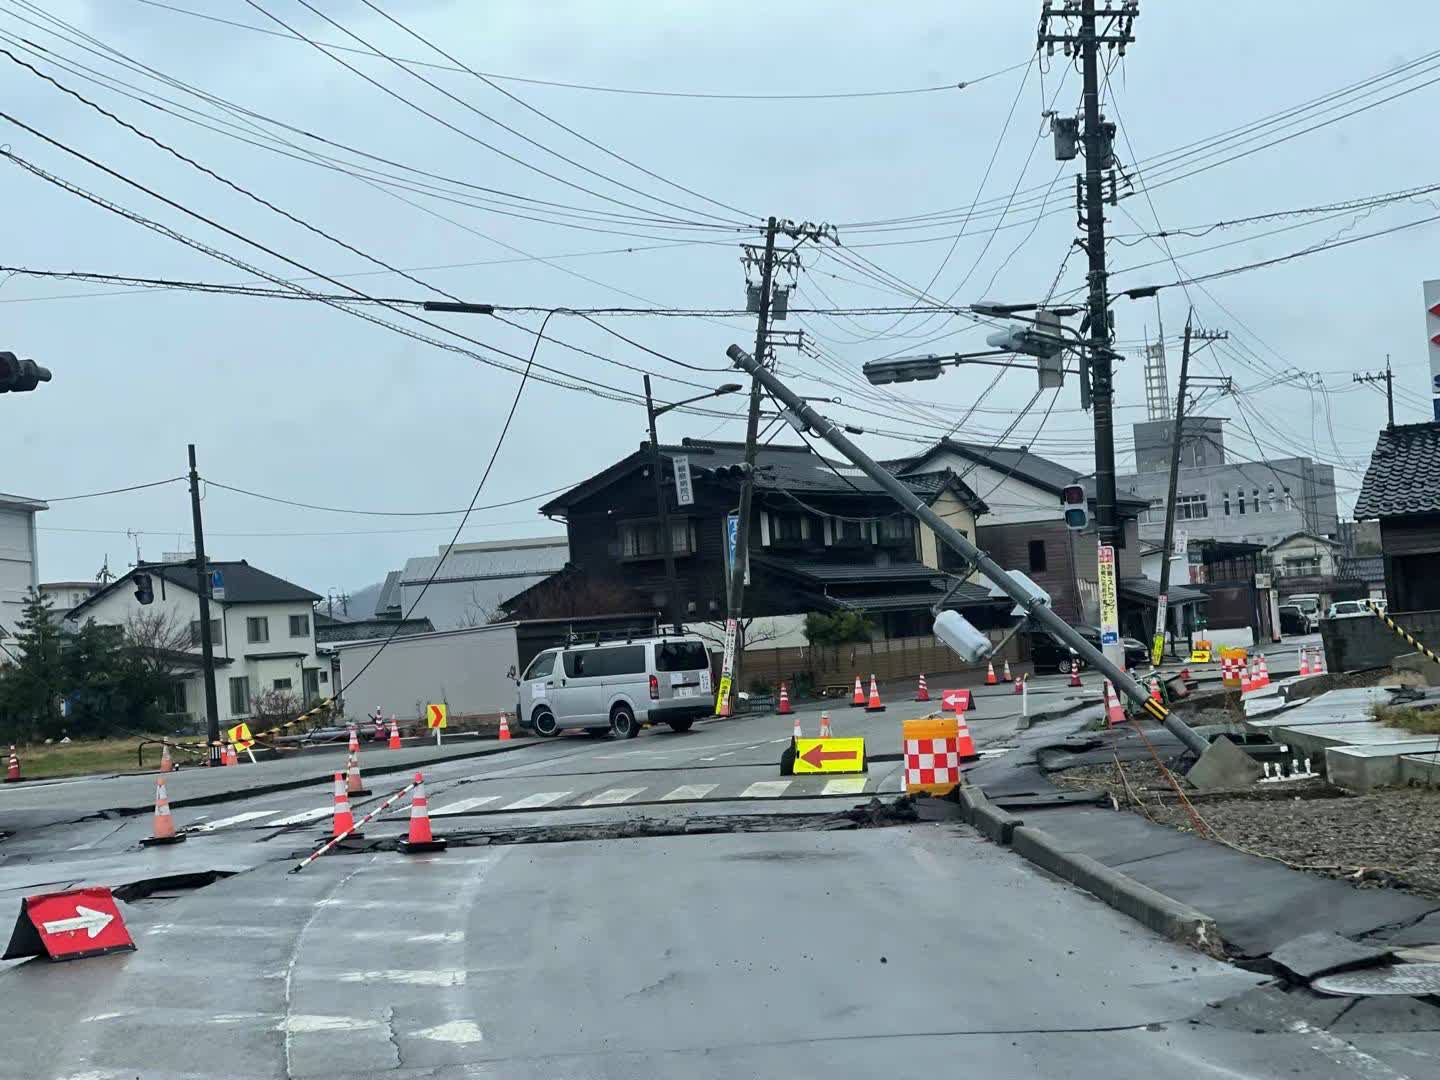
(1293, 620)
(1049, 655)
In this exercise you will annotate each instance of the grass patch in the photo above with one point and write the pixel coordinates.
(1407, 718)
(86, 756)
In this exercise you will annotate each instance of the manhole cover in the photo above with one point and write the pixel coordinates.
(1404, 979)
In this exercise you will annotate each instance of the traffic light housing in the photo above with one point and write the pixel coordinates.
(20, 376)
(144, 589)
(1077, 507)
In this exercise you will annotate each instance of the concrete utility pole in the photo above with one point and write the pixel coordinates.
(672, 607)
(207, 646)
(1388, 378)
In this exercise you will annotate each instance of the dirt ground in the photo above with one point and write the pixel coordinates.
(1389, 838)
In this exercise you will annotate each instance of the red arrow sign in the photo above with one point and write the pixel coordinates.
(1435, 311)
(956, 701)
(815, 756)
(69, 925)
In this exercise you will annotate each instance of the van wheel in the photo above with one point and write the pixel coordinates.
(622, 722)
(545, 725)
(680, 725)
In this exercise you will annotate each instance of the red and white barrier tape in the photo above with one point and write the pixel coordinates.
(336, 839)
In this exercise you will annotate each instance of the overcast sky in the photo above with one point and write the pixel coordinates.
(304, 402)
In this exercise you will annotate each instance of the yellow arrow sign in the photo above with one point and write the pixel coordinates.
(241, 737)
(436, 716)
(829, 756)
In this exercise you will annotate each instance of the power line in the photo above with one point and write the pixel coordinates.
(117, 491)
(375, 513)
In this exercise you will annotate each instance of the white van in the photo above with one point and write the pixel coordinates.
(617, 686)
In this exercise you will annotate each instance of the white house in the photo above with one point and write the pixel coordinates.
(262, 630)
(19, 571)
(65, 595)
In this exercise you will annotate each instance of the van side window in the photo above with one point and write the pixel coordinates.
(541, 666)
(595, 663)
(575, 665)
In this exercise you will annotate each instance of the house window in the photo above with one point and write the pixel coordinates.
(1227, 504)
(1270, 497)
(641, 539)
(195, 632)
(239, 696)
(299, 625)
(1256, 499)
(177, 698)
(257, 629)
(1301, 566)
(851, 531)
(282, 684)
(1037, 555)
(1240, 495)
(789, 528)
(1289, 500)
(897, 530)
(1190, 507)
(1154, 512)
(324, 675)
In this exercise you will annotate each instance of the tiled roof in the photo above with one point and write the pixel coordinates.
(1144, 588)
(850, 573)
(1362, 568)
(1404, 473)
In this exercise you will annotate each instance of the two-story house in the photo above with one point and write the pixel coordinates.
(262, 630)
(823, 537)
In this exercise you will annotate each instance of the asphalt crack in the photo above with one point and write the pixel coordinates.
(390, 1034)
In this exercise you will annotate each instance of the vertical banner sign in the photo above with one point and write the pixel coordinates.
(217, 585)
(727, 665)
(1157, 647)
(684, 493)
(1432, 332)
(1182, 543)
(1109, 599)
(732, 540)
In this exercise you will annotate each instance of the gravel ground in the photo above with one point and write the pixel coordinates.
(1387, 839)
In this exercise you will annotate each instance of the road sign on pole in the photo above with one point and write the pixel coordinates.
(69, 925)
(684, 492)
(436, 719)
(1109, 598)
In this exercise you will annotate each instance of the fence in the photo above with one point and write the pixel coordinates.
(836, 665)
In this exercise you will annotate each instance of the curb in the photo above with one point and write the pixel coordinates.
(1165, 915)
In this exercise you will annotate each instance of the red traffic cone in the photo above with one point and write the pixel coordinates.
(1155, 689)
(990, 679)
(1075, 673)
(1019, 685)
(1185, 674)
(503, 735)
(857, 699)
(874, 704)
(1304, 661)
(353, 784)
(166, 765)
(785, 709)
(825, 724)
(344, 819)
(1114, 712)
(1317, 661)
(354, 746)
(12, 769)
(394, 733)
(922, 692)
(164, 823)
(1264, 671)
(1006, 676)
(796, 731)
(420, 838)
(964, 743)
(231, 757)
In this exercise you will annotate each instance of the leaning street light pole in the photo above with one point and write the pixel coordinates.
(1033, 604)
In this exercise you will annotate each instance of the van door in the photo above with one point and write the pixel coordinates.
(537, 684)
(578, 689)
(683, 669)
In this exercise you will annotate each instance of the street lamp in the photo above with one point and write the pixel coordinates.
(662, 505)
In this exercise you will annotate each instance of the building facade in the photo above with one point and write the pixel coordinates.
(19, 563)
(471, 582)
(67, 595)
(1401, 490)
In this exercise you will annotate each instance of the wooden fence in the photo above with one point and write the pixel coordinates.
(837, 665)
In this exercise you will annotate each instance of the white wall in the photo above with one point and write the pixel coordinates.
(18, 565)
(1010, 500)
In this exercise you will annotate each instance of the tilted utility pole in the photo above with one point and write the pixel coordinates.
(1388, 378)
(672, 606)
(207, 646)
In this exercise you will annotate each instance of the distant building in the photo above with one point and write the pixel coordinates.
(19, 565)
(472, 582)
(65, 595)
(329, 630)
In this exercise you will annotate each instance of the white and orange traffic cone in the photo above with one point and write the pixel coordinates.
(963, 740)
(12, 767)
(503, 735)
(354, 746)
(825, 724)
(1317, 661)
(353, 784)
(344, 821)
(1075, 672)
(1264, 671)
(231, 756)
(990, 679)
(874, 704)
(795, 730)
(166, 765)
(394, 733)
(1006, 676)
(420, 838)
(1020, 685)
(922, 692)
(1248, 682)
(164, 823)
(785, 709)
(1155, 689)
(1304, 661)
(857, 699)
(1114, 712)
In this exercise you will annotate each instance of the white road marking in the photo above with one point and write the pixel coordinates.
(443, 937)
(1345, 1054)
(457, 1031)
(463, 805)
(765, 789)
(540, 798)
(689, 791)
(208, 929)
(249, 815)
(410, 977)
(305, 818)
(300, 1025)
(845, 785)
(613, 796)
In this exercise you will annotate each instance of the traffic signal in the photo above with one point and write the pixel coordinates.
(1076, 504)
(144, 589)
(18, 376)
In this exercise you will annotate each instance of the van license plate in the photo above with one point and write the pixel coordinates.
(684, 691)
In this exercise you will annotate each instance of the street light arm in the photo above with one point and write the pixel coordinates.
(719, 391)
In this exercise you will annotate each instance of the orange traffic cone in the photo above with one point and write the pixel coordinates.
(825, 724)
(1185, 674)
(164, 824)
(353, 784)
(963, 741)
(857, 699)
(420, 838)
(1019, 685)
(1006, 676)
(1264, 671)
(1075, 673)
(1114, 713)
(231, 757)
(785, 709)
(874, 704)
(394, 733)
(1155, 689)
(1317, 661)
(922, 692)
(344, 819)
(354, 746)
(504, 733)
(12, 769)
(1304, 661)
(990, 679)
(166, 765)
(1248, 682)
(796, 731)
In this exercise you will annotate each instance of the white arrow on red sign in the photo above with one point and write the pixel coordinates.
(87, 919)
(1435, 310)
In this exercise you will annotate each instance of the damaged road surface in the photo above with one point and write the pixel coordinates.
(668, 907)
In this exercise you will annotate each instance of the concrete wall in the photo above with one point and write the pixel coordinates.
(1353, 644)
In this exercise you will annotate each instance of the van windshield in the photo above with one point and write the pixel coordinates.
(681, 656)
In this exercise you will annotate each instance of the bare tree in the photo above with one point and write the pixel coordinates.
(477, 612)
(156, 637)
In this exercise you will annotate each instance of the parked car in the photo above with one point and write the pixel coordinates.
(617, 686)
(1294, 621)
(1049, 655)
(1349, 609)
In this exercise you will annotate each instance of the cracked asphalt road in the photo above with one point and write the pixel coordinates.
(912, 950)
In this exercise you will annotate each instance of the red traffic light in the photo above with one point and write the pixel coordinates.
(1077, 506)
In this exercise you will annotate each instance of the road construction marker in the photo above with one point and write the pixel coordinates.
(829, 756)
(956, 701)
(932, 755)
(240, 736)
(421, 839)
(69, 925)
